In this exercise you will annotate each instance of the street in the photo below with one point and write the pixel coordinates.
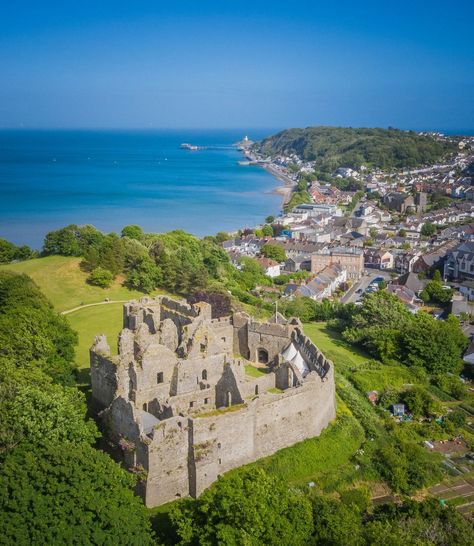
(351, 296)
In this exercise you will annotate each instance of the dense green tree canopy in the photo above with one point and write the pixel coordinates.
(247, 508)
(332, 147)
(68, 494)
(385, 328)
(32, 334)
(274, 252)
(10, 252)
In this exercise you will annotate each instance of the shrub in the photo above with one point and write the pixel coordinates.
(100, 277)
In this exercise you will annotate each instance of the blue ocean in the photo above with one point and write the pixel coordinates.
(49, 179)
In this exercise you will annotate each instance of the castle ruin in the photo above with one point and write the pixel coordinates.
(189, 397)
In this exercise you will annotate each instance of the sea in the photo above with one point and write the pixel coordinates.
(49, 179)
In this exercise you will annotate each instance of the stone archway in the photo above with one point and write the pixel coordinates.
(262, 356)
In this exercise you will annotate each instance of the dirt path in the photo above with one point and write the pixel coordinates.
(91, 305)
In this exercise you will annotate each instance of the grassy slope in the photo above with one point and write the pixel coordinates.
(349, 359)
(92, 321)
(62, 281)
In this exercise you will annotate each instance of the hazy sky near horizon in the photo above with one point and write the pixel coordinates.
(214, 64)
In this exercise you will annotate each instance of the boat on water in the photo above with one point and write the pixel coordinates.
(192, 147)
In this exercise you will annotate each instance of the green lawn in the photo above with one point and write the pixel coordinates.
(252, 371)
(64, 283)
(343, 355)
(89, 322)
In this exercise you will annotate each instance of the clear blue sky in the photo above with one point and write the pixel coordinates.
(223, 63)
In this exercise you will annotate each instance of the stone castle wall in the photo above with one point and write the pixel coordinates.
(178, 392)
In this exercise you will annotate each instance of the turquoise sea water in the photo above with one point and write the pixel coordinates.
(49, 179)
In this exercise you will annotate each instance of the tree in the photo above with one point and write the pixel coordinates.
(433, 344)
(269, 219)
(267, 231)
(133, 232)
(41, 414)
(428, 229)
(402, 232)
(378, 325)
(435, 292)
(32, 334)
(249, 507)
(100, 277)
(68, 493)
(144, 275)
(274, 252)
(420, 402)
(10, 252)
(336, 522)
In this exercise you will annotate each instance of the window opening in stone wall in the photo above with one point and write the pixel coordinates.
(159, 377)
(204, 375)
(262, 356)
(144, 407)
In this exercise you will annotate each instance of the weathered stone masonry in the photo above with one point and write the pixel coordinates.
(179, 396)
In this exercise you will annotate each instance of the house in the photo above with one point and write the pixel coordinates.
(469, 354)
(321, 286)
(298, 263)
(378, 258)
(467, 289)
(398, 201)
(459, 262)
(412, 282)
(349, 258)
(271, 267)
(405, 295)
(434, 258)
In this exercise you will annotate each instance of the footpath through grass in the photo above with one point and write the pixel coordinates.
(64, 283)
(61, 279)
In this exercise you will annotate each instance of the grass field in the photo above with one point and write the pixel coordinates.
(344, 355)
(64, 283)
(92, 321)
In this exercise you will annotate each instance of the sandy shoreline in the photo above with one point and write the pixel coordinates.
(289, 185)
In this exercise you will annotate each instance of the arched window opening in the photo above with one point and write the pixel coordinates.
(204, 375)
(256, 389)
(262, 356)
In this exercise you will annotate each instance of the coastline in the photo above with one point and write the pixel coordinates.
(288, 184)
(286, 190)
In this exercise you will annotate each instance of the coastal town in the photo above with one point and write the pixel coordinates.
(392, 228)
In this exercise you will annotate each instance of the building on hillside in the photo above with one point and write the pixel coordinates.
(459, 262)
(376, 258)
(349, 258)
(322, 286)
(466, 288)
(399, 201)
(433, 258)
(298, 263)
(270, 267)
(179, 400)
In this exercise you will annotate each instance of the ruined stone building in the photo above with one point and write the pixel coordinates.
(189, 397)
